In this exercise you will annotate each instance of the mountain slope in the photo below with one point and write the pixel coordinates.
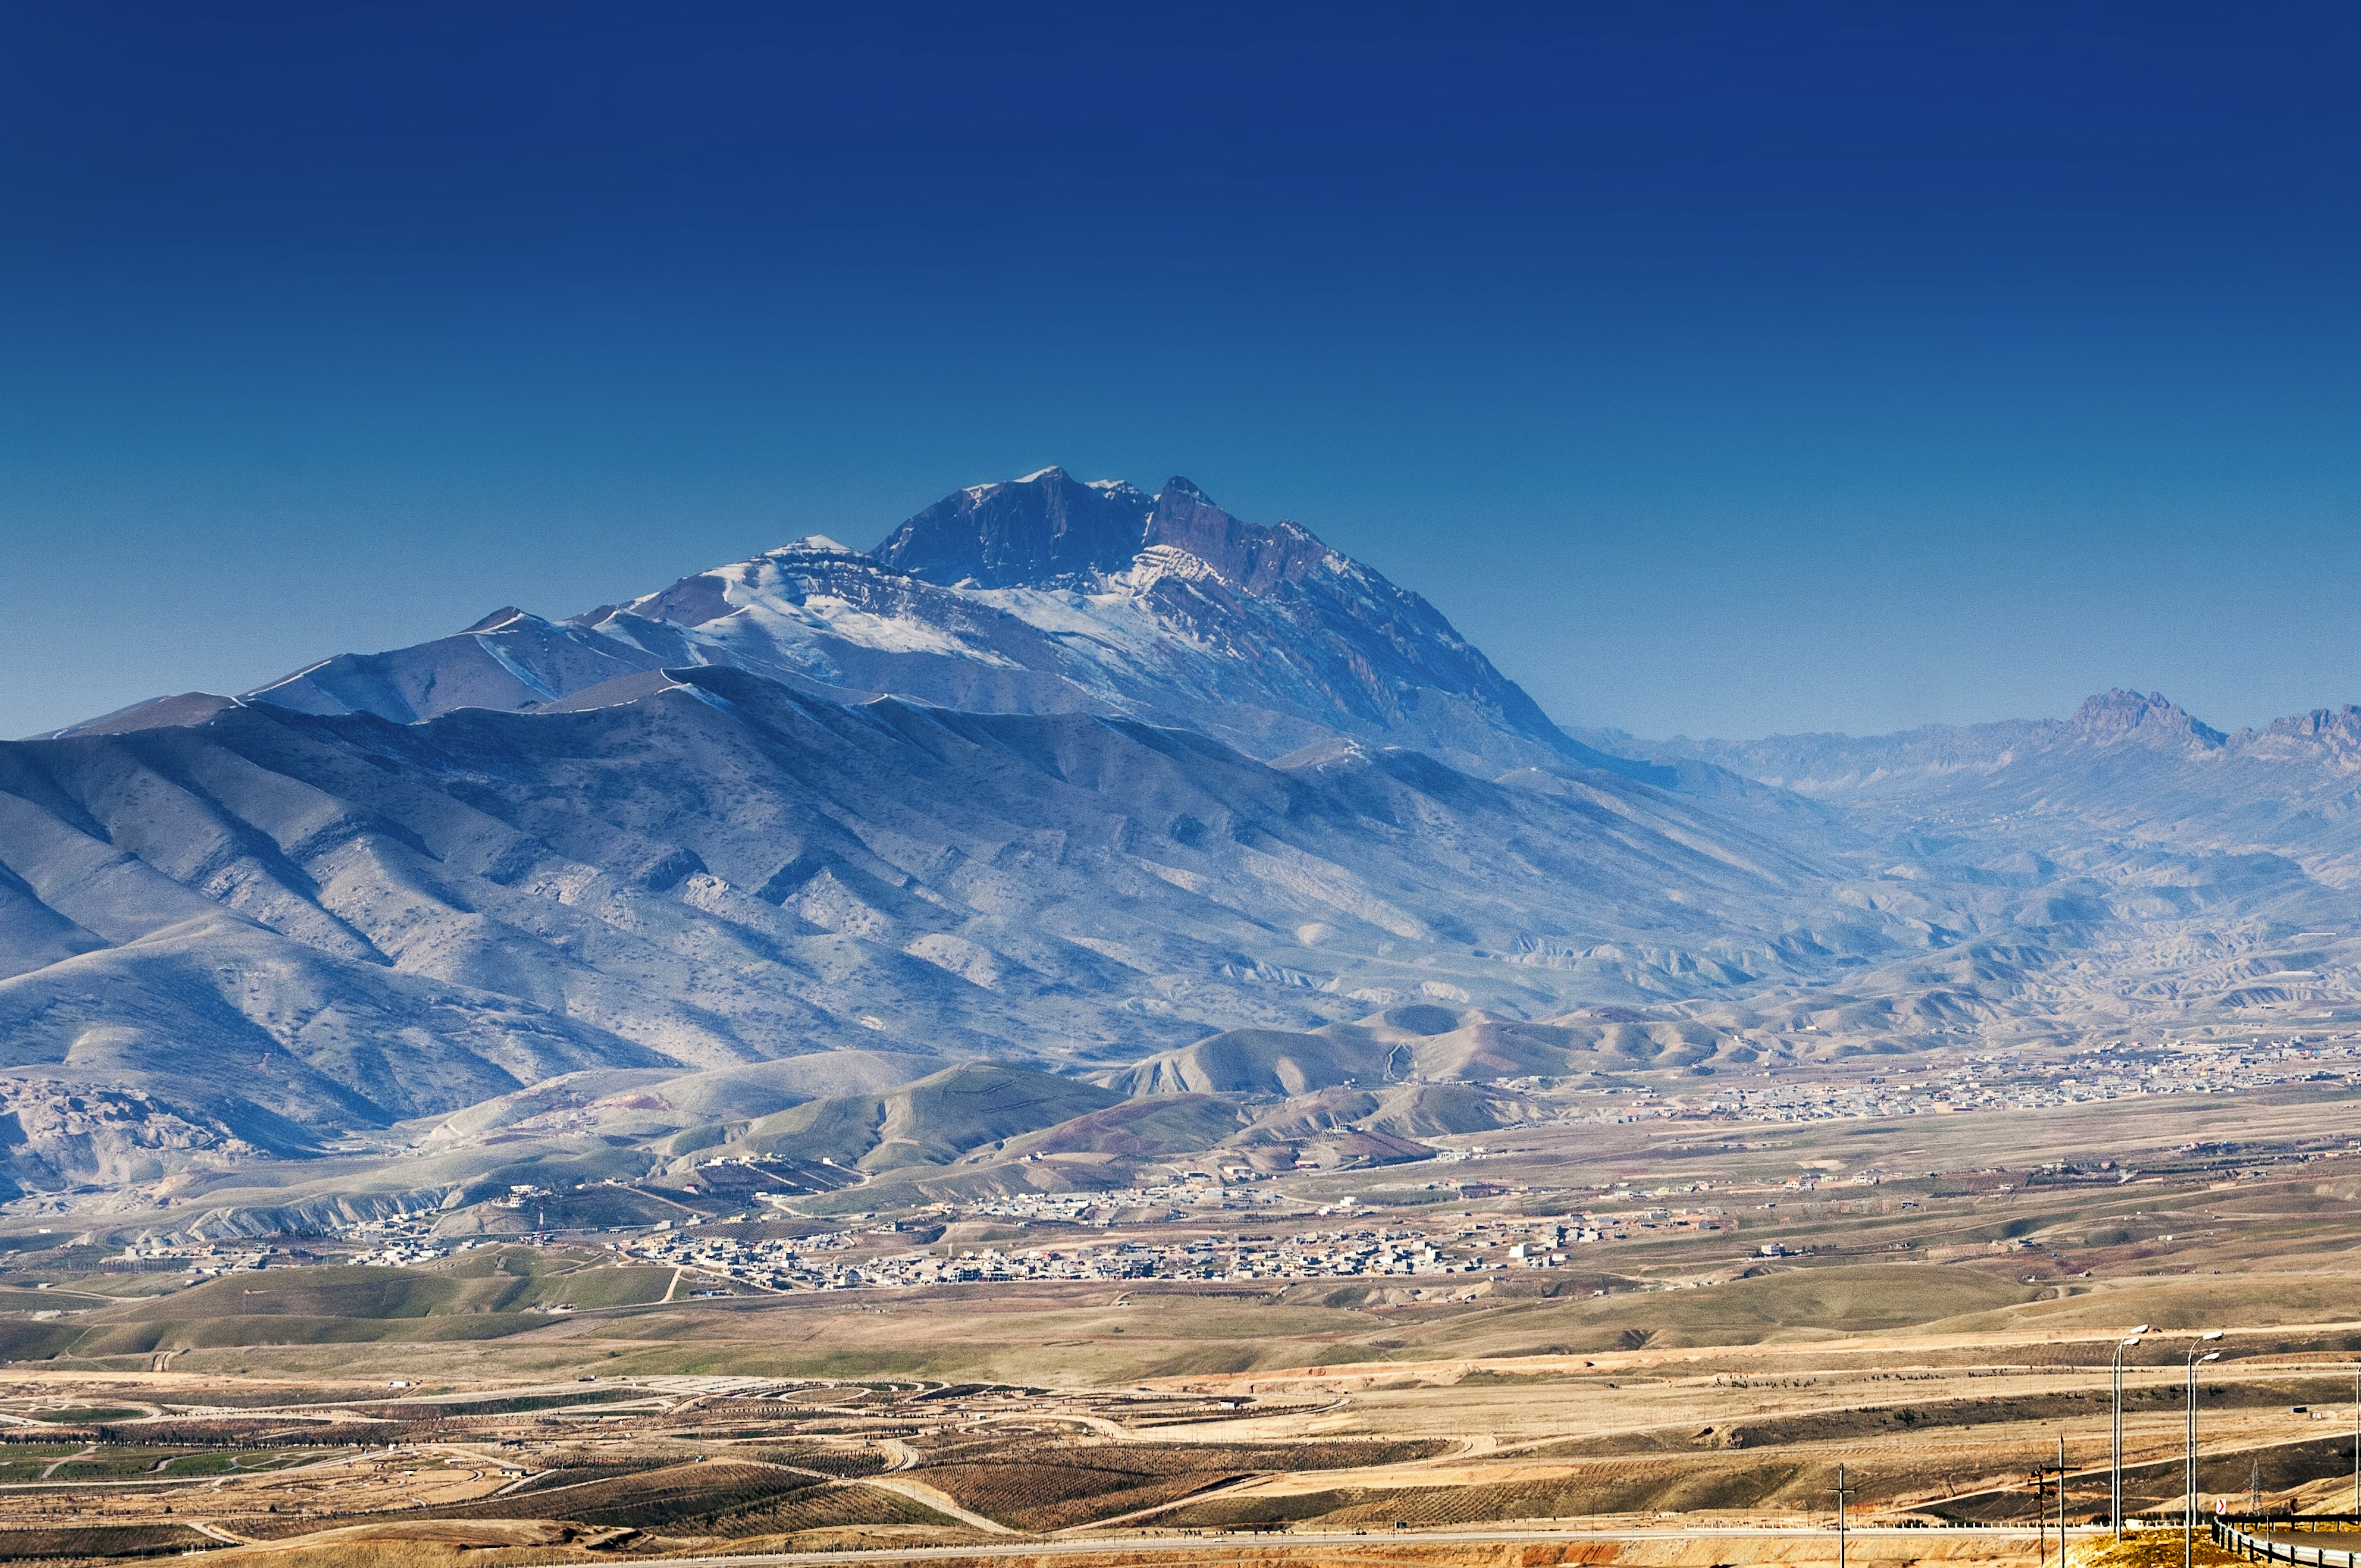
(1111, 793)
(404, 919)
(2134, 861)
(930, 1122)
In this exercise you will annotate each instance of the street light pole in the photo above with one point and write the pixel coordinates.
(2189, 1504)
(2115, 1482)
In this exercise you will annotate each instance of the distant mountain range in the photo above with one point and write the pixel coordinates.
(2127, 766)
(1103, 786)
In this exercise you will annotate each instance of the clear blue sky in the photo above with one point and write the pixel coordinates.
(1719, 369)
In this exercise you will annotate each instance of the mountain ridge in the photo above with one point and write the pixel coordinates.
(1040, 594)
(1815, 760)
(1115, 789)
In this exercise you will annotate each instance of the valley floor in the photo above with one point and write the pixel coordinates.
(1686, 1400)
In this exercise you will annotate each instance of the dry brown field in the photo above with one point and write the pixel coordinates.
(1937, 1315)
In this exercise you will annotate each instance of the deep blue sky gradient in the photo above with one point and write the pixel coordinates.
(1719, 369)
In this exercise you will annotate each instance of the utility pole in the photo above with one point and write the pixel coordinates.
(2189, 1504)
(2041, 1517)
(2116, 1479)
(1840, 1488)
(2061, 1500)
(2357, 1440)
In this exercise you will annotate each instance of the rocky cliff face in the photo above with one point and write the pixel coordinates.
(1043, 530)
(1048, 530)
(2118, 718)
(2330, 735)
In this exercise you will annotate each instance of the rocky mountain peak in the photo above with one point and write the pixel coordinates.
(2333, 733)
(1247, 556)
(2117, 716)
(506, 615)
(2321, 723)
(1039, 529)
(1049, 528)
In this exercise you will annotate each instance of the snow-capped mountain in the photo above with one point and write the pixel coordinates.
(1042, 595)
(1079, 776)
(1059, 770)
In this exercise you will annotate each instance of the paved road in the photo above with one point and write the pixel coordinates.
(2328, 1548)
(1287, 1540)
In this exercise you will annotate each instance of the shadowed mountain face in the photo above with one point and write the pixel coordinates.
(1046, 530)
(1043, 530)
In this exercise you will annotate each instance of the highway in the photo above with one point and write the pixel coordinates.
(2325, 1548)
(1293, 1541)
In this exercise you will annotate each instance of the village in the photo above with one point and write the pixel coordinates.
(1472, 1248)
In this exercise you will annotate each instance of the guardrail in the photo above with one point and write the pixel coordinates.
(2252, 1537)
